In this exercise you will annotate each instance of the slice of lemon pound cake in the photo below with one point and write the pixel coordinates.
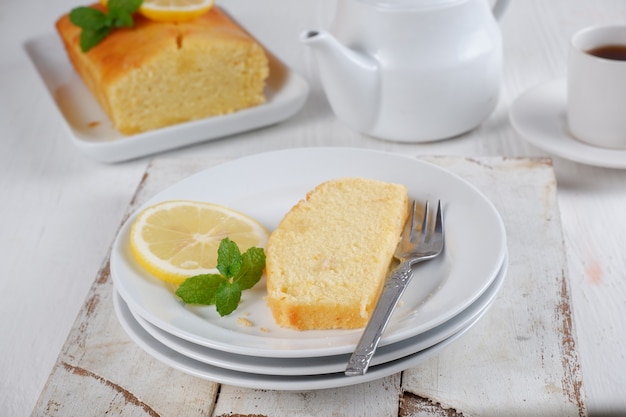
(329, 256)
(157, 74)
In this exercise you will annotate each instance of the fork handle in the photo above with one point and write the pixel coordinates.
(391, 293)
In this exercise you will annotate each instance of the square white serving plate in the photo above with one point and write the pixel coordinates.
(93, 133)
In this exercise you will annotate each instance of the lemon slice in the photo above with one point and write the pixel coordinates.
(174, 10)
(174, 240)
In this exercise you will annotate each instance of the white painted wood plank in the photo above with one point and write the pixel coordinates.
(100, 371)
(378, 398)
(523, 352)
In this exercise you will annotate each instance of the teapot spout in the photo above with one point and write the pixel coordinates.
(351, 79)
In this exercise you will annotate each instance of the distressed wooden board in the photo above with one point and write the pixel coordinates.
(373, 399)
(523, 354)
(520, 359)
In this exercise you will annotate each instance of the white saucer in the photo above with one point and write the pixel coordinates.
(327, 364)
(538, 115)
(261, 381)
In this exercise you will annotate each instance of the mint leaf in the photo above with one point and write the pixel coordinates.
(119, 18)
(90, 38)
(239, 273)
(253, 263)
(128, 6)
(228, 258)
(96, 25)
(200, 289)
(227, 298)
(88, 18)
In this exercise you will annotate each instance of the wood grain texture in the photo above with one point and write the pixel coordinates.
(520, 358)
(530, 324)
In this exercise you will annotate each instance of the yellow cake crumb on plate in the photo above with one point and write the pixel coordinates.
(242, 321)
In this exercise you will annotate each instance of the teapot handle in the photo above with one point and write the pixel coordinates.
(499, 8)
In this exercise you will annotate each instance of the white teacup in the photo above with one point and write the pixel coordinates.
(596, 86)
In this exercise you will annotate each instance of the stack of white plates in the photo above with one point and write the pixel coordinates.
(445, 298)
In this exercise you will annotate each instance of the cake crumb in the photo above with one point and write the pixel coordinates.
(264, 329)
(242, 321)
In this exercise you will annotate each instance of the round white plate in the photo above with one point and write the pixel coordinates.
(260, 381)
(327, 364)
(539, 116)
(266, 186)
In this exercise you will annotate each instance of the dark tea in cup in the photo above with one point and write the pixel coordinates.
(615, 52)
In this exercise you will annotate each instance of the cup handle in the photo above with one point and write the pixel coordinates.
(499, 8)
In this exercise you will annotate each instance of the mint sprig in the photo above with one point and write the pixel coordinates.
(96, 25)
(238, 272)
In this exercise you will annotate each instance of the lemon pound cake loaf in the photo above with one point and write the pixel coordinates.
(157, 74)
(328, 258)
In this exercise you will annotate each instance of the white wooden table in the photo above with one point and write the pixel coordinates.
(60, 210)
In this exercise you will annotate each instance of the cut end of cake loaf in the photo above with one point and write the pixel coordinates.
(329, 256)
(158, 74)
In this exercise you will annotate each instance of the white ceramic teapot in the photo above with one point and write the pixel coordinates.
(411, 70)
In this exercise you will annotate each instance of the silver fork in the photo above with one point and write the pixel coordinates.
(414, 247)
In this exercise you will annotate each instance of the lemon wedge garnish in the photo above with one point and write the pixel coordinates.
(173, 10)
(174, 240)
